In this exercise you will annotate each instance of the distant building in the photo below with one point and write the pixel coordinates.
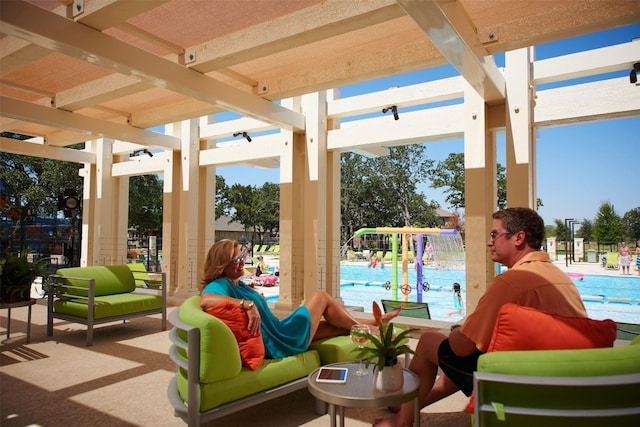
(227, 228)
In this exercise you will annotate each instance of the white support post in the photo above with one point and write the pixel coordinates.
(520, 141)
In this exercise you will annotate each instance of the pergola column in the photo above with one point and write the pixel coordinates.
(105, 208)
(521, 179)
(480, 194)
(183, 253)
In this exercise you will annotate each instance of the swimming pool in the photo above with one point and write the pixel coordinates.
(605, 297)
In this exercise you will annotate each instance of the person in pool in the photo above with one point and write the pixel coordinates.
(457, 300)
(532, 280)
(320, 316)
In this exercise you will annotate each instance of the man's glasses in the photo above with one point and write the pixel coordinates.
(495, 235)
(237, 259)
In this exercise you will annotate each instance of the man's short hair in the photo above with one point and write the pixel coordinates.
(523, 219)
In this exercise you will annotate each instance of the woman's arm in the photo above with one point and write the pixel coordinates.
(211, 300)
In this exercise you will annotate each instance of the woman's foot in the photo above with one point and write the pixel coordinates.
(387, 317)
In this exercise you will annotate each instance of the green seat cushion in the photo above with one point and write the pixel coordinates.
(116, 279)
(335, 349)
(109, 305)
(272, 373)
(565, 363)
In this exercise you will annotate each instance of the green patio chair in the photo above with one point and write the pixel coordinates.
(612, 261)
(417, 310)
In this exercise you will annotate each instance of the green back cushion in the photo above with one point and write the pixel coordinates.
(219, 353)
(140, 273)
(110, 280)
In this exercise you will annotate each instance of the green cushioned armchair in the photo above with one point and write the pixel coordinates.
(592, 387)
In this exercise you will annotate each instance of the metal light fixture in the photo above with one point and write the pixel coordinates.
(393, 109)
(244, 134)
(633, 76)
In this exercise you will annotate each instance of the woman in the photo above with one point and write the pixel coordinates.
(293, 334)
(262, 268)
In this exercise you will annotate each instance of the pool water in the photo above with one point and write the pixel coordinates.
(605, 297)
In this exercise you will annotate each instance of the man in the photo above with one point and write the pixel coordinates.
(625, 258)
(531, 280)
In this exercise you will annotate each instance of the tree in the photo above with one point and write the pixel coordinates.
(631, 225)
(449, 174)
(266, 203)
(382, 191)
(562, 231)
(145, 204)
(222, 199)
(31, 187)
(586, 230)
(607, 227)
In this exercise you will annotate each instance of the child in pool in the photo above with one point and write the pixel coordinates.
(457, 301)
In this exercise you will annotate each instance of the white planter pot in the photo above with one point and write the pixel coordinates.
(391, 378)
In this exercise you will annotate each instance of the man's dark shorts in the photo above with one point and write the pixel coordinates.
(459, 369)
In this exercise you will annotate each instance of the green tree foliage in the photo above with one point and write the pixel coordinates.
(33, 184)
(258, 209)
(631, 225)
(586, 230)
(222, 199)
(449, 175)
(145, 204)
(562, 232)
(607, 227)
(31, 187)
(267, 205)
(382, 191)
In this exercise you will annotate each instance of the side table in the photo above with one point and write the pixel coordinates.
(9, 306)
(359, 391)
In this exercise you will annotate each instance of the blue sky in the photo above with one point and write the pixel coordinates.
(579, 167)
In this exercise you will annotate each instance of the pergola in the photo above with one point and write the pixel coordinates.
(106, 71)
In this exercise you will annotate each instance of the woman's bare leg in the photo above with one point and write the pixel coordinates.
(322, 305)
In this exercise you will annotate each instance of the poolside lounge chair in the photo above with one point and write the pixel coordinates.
(628, 331)
(388, 256)
(418, 310)
(612, 261)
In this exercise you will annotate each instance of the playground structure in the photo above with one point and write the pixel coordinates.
(447, 253)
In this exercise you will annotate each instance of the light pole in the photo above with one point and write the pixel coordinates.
(566, 245)
(573, 240)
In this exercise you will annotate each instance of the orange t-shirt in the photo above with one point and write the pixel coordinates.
(532, 282)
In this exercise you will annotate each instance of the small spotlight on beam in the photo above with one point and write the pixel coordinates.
(244, 134)
(393, 109)
(633, 76)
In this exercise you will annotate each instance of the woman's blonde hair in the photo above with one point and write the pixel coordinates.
(218, 257)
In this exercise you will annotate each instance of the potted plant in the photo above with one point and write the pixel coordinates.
(383, 349)
(16, 276)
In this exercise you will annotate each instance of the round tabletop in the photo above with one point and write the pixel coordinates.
(359, 391)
